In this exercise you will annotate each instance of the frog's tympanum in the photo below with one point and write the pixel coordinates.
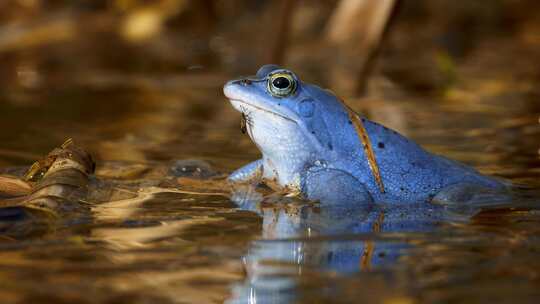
(314, 145)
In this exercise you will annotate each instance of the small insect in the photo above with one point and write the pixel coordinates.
(246, 122)
(243, 123)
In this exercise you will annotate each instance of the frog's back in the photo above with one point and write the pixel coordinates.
(409, 173)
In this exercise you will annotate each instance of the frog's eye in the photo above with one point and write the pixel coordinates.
(281, 84)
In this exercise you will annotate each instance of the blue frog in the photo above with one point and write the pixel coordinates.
(312, 144)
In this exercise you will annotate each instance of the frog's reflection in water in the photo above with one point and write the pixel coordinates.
(303, 239)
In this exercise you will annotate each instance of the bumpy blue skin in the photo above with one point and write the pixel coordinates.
(309, 144)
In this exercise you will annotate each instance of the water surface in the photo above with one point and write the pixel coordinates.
(192, 248)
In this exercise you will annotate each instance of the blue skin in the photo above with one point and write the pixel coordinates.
(309, 146)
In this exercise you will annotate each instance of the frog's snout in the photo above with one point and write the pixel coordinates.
(233, 88)
(229, 88)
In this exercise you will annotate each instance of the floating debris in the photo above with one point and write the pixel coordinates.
(60, 177)
(12, 186)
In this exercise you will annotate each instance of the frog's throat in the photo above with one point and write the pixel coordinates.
(265, 110)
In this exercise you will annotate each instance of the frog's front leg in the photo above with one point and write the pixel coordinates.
(243, 182)
(332, 186)
(250, 172)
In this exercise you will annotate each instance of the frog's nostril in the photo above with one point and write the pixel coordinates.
(245, 82)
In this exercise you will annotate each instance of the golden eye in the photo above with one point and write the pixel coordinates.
(281, 84)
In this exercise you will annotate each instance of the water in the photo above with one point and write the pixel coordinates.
(192, 248)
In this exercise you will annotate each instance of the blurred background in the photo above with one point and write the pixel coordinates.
(141, 80)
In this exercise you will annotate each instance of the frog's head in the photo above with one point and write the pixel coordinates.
(285, 115)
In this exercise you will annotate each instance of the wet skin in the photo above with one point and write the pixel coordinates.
(310, 146)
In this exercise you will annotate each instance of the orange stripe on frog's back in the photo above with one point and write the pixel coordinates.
(366, 144)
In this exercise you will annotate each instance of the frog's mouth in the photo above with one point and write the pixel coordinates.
(246, 99)
(241, 105)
